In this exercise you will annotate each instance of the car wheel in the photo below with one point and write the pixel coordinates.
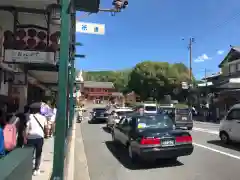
(224, 137)
(132, 155)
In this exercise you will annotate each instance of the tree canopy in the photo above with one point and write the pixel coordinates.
(119, 78)
(148, 79)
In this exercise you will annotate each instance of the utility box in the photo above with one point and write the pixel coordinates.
(91, 6)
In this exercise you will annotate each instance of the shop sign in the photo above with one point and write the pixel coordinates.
(26, 57)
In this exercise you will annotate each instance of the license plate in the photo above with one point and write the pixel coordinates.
(184, 118)
(101, 115)
(167, 143)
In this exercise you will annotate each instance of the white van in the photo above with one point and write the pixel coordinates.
(230, 126)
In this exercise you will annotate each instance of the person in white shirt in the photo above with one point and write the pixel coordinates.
(53, 119)
(35, 134)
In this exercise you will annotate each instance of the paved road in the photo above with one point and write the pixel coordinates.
(210, 160)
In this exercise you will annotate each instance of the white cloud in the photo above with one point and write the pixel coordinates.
(202, 58)
(220, 52)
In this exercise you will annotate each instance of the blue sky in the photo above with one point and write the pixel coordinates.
(154, 29)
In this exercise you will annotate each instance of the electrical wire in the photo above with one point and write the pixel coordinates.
(82, 16)
(218, 26)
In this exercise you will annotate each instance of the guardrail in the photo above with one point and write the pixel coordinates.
(17, 165)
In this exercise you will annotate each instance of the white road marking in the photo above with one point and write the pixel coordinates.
(217, 151)
(205, 130)
(206, 123)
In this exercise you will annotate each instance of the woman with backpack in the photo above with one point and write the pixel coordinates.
(35, 128)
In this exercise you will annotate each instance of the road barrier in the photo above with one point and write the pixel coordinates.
(17, 165)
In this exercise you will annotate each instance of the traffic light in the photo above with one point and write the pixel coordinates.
(91, 6)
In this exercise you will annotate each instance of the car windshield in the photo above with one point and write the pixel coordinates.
(99, 109)
(158, 121)
(150, 108)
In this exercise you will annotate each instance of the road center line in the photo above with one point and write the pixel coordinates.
(217, 151)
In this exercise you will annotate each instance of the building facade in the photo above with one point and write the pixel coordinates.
(98, 90)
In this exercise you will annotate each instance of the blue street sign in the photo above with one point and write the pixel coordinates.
(96, 29)
(84, 27)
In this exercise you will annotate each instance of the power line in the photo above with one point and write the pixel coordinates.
(219, 25)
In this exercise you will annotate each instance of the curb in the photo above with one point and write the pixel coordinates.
(71, 151)
(83, 165)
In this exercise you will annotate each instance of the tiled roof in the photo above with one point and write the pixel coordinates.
(228, 56)
(94, 84)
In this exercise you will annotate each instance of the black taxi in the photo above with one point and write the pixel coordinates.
(152, 136)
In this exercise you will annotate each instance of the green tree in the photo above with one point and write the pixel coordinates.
(156, 79)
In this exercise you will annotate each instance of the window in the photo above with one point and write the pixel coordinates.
(234, 114)
(238, 67)
(157, 121)
(124, 122)
(182, 111)
(232, 68)
(150, 108)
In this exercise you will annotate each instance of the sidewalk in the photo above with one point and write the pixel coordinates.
(47, 160)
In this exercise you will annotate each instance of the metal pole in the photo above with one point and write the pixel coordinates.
(59, 143)
(205, 76)
(190, 59)
(72, 80)
(72, 68)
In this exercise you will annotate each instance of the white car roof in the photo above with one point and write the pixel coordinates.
(123, 109)
(150, 104)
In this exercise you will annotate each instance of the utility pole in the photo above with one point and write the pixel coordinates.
(205, 76)
(191, 41)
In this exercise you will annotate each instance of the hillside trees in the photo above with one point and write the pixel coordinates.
(148, 79)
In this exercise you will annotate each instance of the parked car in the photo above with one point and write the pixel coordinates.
(181, 116)
(230, 125)
(99, 115)
(150, 137)
(116, 115)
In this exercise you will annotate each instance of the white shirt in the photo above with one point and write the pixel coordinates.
(53, 117)
(55, 111)
(34, 129)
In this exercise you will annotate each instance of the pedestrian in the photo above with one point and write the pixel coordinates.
(2, 120)
(22, 130)
(2, 124)
(35, 129)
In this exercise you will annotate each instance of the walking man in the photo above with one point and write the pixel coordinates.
(36, 127)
